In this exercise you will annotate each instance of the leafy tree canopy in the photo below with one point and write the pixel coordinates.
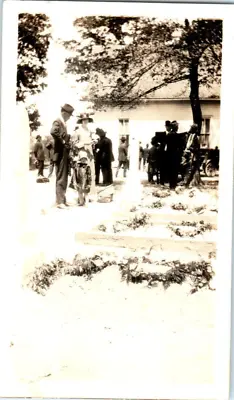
(33, 43)
(34, 117)
(126, 59)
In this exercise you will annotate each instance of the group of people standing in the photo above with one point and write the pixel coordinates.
(85, 154)
(174, 153)
(82, 156)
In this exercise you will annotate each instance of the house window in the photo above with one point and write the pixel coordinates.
(205, 132)
(124, 129)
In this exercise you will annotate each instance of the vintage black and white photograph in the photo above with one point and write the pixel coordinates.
(117, 138)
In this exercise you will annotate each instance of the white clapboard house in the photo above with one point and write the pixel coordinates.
(170, 103)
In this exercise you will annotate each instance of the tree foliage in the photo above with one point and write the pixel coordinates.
(33, 43)
(34, 117)
(125, 59)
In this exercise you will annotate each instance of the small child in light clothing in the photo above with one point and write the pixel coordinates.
(81, 178)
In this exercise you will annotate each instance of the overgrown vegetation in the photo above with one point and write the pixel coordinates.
(197, 273)
(161, 193)
(156, 204)
(46, 274)
(197, 228)
(179, 207)
(134, 223)
(138, 221)
(199, 209)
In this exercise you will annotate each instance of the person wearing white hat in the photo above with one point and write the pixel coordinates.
(61, 153)
(84, 135)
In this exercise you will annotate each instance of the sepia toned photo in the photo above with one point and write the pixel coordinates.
(117, 153)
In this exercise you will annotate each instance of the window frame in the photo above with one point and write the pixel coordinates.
(205, 137)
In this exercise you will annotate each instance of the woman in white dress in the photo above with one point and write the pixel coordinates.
(84, 135)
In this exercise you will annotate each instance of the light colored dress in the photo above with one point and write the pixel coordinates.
(84, 136)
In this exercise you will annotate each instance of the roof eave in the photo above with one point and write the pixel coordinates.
(182, 99)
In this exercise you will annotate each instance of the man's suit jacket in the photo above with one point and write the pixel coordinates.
(105, 154)
(61, 140)
(123, 152)
(161, 139)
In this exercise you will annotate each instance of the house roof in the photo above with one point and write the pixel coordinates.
(181, 91)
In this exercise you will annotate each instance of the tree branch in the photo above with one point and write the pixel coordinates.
(160, 86)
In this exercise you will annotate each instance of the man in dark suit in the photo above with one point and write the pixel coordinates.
(39, 153)
(123, 157)
(173, 149)
(61, 154)
(104, 157)
(160, 140)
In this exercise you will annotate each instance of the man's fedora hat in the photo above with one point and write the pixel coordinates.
(82, 117)
(174, 125)
(194, 128)
(100, 131)
(69, 109)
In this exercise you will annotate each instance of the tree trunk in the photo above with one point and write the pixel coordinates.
(196, 111)
(194, 95)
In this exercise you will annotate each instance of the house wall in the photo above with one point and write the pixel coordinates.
(148, 118)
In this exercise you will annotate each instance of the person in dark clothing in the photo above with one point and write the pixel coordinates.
(104, 158)
(160, 138)
(61, 154)
(173, 154)
(145, 154)
(39, 154)
(153, 163)
(183, 138)
(141, 154)
(50, 148)
(163, 167)
(191, 156)
(123, 157)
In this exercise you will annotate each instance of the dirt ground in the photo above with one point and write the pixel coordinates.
(106, 332)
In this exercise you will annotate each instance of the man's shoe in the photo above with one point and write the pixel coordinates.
(61, 206)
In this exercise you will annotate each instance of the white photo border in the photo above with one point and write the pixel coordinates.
(225, 217)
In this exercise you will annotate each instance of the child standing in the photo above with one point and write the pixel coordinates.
(81, 177)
